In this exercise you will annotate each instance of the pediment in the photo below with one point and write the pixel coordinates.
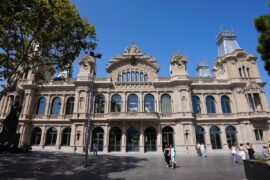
(132, 55)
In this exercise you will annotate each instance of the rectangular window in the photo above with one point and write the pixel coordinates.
(240, 72)
(258, 134)
(251, 102)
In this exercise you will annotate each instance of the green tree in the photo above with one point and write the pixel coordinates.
(262, 23)
(38, 33)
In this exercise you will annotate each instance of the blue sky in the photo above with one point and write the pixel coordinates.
(163, 27)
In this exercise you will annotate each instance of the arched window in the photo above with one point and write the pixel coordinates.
(149, 103)
(66, 137)
(141, 76)
(56, 105)
(99, 104)
(215, 137)
(119, 78)
(124, 77)
(231, 136)
(150, 138)
(196, 108)
(128, 76)
(132, 103)
(116, 103)
(132, 76)
(146, 77)
(98, 138)
(210, 104)
(70, 105)
(41, 106)
(51, 136)
(199, 134)
(257, 101)
(166, 105)
(137, 76)
(225, 104)
(115, 139)
(36, 136)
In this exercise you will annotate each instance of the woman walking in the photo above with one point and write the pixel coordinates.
(234, 154)
(167, 154)
(250, 151)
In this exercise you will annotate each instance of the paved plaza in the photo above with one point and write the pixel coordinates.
(58, 165)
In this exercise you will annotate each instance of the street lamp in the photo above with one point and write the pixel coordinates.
(90, 99)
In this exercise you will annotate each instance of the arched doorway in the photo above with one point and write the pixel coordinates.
(150, 139)
(51, 136)
(167, 136)
(66, 137)
(215, 137)
(36, 136)
(199, 134)
(115, 139)
(231, 136)
(133, 139)
(97, 137)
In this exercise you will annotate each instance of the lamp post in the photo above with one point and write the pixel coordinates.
(90, 100)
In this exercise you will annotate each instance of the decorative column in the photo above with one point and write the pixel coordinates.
(239, 134)
(217, 104)
(48, 106)
(202, 104)
(106, 139)
(63, 105)
(43, 137)
(224, 142)
(159, 137)
(207, 137)
(58, 139)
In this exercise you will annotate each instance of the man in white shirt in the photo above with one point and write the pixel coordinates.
(173, 160)
(202, 149)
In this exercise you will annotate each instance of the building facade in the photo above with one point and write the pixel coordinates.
(135, 110)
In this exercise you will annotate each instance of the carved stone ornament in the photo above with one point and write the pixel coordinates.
(252, 87)
(133, 49)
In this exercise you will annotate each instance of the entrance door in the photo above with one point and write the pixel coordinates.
(167, 136)
(97, 137)
(115, 139)
(133, 139)
(150, 138)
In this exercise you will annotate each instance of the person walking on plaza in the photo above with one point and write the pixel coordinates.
(250, 151)
(95, 149)
(242, 152)
(167, 155)
(202, 150)
(173, 156)
(198, 149)
(234, 153)
(266, 153)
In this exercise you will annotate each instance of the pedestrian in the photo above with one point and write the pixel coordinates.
(95, 149)
(198, 149)
(173, 156)
(234, 153)
(242, 152)
(167, 155)
(266, 153)
(250, 151)
(202, 150)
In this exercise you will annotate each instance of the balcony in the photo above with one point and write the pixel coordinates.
(141, 116)
(52, 117)
(233, 116)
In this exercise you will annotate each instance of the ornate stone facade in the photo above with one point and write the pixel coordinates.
(135, 110)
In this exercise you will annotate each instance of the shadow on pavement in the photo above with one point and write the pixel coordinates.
(55, 165)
